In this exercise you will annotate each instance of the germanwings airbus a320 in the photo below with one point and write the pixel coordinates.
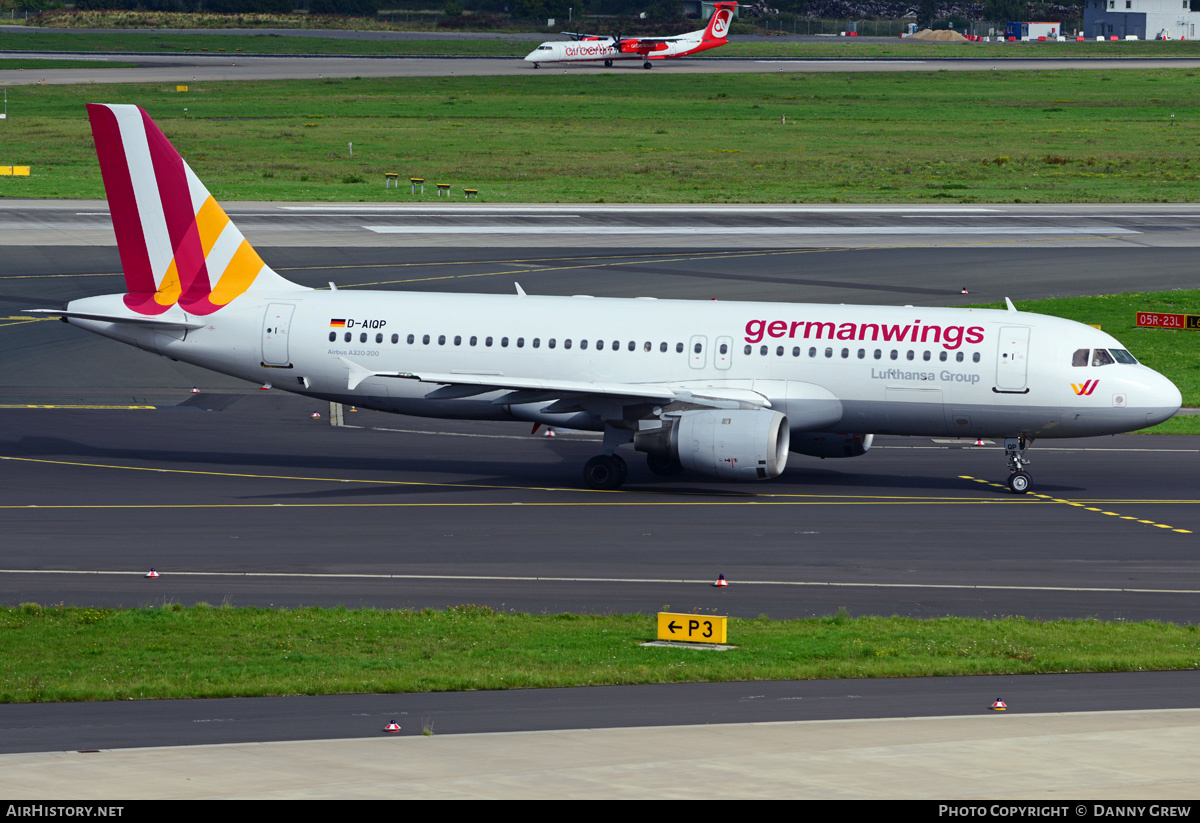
(724, 389)
(590, 48)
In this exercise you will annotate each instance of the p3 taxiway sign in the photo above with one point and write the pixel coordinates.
(692, 628)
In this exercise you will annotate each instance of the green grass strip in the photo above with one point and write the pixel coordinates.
(651, 137)
(71, 654)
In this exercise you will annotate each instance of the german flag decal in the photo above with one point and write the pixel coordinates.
(337, 324)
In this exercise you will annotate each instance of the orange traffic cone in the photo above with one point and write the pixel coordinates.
(550, 433)
(195, 390)
(721, 582)
(998, 706)
(152, 574)
(978, 441)
(316, 415)
(964, 290)
(392, 727)
(265, 387)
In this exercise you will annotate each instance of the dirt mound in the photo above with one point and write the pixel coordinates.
(943, 36)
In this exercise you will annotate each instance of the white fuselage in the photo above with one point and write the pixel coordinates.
(869, 369)
(605, 49)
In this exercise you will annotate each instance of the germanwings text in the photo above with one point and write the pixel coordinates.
(950, 337)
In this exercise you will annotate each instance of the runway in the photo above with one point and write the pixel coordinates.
(185, 68)
(238, 496)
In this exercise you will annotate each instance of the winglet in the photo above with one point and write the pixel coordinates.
(1011, 307)
(520, 291)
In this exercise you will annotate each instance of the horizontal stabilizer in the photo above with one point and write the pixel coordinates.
(155, 321)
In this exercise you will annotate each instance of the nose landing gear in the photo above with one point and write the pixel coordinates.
(1019, 480)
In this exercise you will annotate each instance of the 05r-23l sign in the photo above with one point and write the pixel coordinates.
(1159, 320)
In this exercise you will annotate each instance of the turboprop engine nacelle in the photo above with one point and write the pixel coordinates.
(734, 444)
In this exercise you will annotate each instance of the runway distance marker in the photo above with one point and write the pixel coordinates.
(692, 628)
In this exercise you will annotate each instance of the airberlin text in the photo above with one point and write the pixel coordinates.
(1078, 810)
(950, 337)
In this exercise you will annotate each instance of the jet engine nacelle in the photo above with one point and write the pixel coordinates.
(832, 444)
(735, 444)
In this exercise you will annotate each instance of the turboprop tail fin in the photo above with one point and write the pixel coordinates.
(177, 246)
(719, 23)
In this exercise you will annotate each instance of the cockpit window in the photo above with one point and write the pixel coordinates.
(1123, 356)
(1080, 357)
(1100, 357)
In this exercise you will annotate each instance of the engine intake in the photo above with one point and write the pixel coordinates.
(736, 444)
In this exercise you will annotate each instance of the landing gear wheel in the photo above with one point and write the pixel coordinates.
(662, 465)
(535, 65)
(605, 472)
(608, 64)
(646, 65)
(1019, 482)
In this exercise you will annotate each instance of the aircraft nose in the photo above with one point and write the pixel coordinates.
(1163, 400)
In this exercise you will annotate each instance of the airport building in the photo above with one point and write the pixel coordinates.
(1145, 19)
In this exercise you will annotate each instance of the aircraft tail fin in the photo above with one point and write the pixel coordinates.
(719, 23)
(177, 245)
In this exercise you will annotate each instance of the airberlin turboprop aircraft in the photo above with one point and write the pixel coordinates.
(590, 48)
(720, 388)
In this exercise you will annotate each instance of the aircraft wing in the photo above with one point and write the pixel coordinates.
(566, 394)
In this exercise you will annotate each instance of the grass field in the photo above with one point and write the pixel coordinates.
(1047, 136)
(71, 654)
(36, 39)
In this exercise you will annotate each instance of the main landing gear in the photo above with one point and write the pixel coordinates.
(608, 64)
(1019, 480)
(646, 65)
(605, 472)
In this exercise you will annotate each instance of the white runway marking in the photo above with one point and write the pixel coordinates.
(750, 230)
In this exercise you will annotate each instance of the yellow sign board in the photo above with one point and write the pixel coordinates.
(183, 88)
(692, 628)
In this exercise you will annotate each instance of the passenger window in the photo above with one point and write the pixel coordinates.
(537, 342)
(829, 351)
(599, 345)
(845, 353)
(697, 348)
(895, 354)
(779, 351)
(647, 346)
(441, 339)
(911, 354)
(332, 336)
(928, 355)
(762, 350)
(379, 337)
(362, 338)
(458, 339)
(943, 356)
(662, 347)
(583, 344)
(1101, 357)
(749, 348)
(504, 342)
(975, 357)
(862, 353)
(878, 354)
(347, 337)
(395, 339)
(567, 343)
(795, 351)
(487, 341)
(520, 342)
(679, 348)
(551, 344)
(1079, 358)
(632, 345)
(474, 340)
(724, 348)
(958, 357)
(412, 339)
(812, 352)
